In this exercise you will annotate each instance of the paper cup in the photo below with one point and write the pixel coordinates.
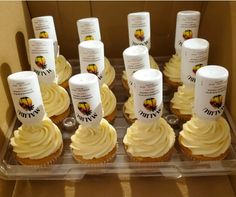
(194, 56)
(187, 24)
(139, 29)
(91, 54)
(147, 91)
(88, 29)
(86, 99)
(42, 59)
(44, 27)
(210, 91)
(26, 96)
(135, 58)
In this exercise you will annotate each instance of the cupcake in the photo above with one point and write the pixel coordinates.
(149, 141)
(96, 144)
(205, 139)
(182, 103)
(153, 64)
(108, 103)
(110, 73)
(56, 101)
(128, 110)
(63, 71)
(39, 144)
(172, 72)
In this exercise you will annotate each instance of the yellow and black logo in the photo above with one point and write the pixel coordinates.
(139, 34)
(89, 37)
(43, 34)
(150, 104)
(187, 34)
(40, 61)
(92, 68)
(216, 101)
(84, 108)
(26, 103)
(196, 67)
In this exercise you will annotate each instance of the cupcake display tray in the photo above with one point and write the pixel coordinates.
(67, 168)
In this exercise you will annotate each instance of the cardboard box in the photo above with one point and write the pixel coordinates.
(218, 25)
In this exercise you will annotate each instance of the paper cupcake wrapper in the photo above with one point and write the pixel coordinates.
(59, 118)
(111, 117)
(183, 117)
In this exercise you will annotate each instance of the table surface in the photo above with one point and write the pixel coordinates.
(112, 186)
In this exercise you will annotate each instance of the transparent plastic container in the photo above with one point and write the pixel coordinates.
(67, 168)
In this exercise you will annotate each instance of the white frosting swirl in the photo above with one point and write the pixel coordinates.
(172, 69)
(150, 139)
(129, 107)
(36, 141)
(183, 99)
(153, 64)
(63, 69)
(55, 99)
(108, 100)
(109, 72)
(94, 142)
(209, 138)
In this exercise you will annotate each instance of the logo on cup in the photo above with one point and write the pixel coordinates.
(216, 101)
(26, 103)
(139, 34)
(92, 68)
(84, 108)
(40, 61)
(196, 67)
(150, 104)
(43, 34)
(89, 37)
(187, 34)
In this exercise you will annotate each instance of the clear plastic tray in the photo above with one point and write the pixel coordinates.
(67, 168)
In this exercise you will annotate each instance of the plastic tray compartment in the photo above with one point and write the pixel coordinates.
(67, 168)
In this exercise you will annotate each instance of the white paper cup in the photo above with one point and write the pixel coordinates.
(44, 27)
(139, 29)
(26, 96)
(88, 29)
(194, 56)
(91, 55)
(86, 99)
(135, 58)
(42, 59)
(147, 91)
(187, 24)
(210, 91)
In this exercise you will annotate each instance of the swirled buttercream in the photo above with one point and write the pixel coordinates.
(183, 99)
(209, 138)
(55, 99)
(109, 72)
(129, 107)
(63, 69)
(172, 69)
(108, 100)
(94, 142)
(36, 141)
(150, 139)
